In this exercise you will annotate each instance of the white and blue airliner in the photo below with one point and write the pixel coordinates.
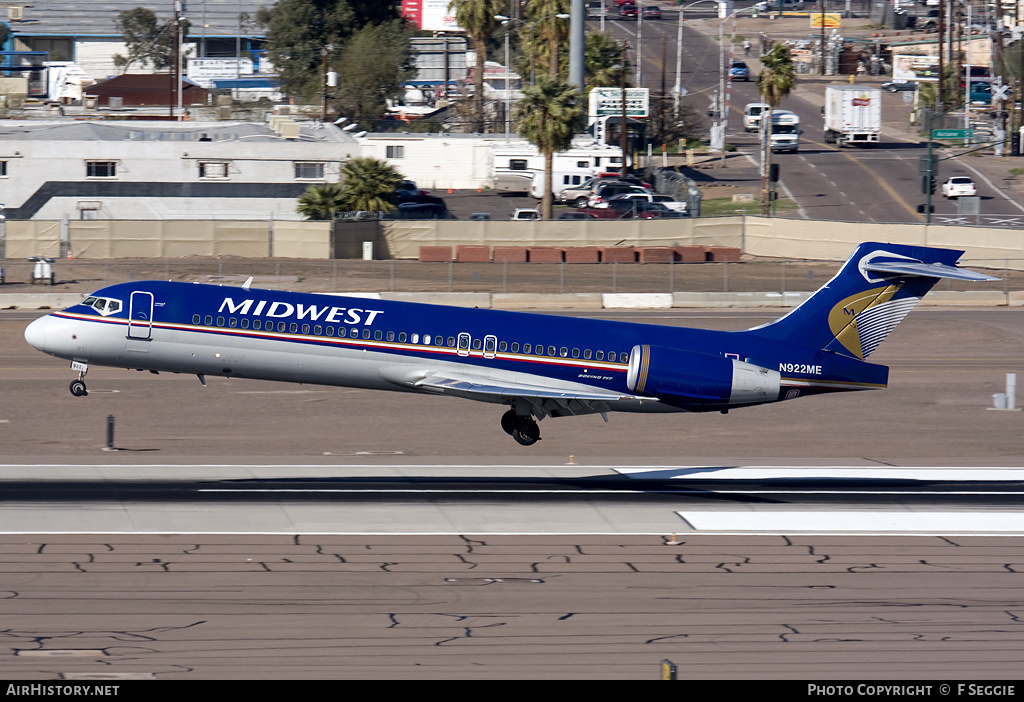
(538, 365)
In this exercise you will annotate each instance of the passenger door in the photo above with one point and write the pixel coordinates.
(140, 315)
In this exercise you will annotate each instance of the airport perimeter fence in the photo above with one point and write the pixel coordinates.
(343, 276)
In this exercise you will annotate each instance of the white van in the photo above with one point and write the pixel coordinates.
(785, 134)
(752, 115)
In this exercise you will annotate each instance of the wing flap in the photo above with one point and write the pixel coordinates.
(465, 385)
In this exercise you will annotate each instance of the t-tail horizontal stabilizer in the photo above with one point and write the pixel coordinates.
(899, 267)
(872, 293)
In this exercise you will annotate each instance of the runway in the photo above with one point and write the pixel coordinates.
(258, 531)
(502, 499)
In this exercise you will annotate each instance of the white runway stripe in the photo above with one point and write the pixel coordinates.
(857, 522)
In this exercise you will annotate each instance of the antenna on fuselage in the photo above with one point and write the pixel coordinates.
(246, 284)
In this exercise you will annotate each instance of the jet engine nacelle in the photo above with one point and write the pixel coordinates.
(699, 378)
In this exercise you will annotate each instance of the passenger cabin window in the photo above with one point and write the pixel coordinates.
(396, 152)
(517, 164)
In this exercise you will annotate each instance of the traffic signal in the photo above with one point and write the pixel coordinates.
(928, 185)
(773, 173)
(1015, 143)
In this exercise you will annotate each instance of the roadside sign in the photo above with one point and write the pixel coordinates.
(608, 102)
(952, 134)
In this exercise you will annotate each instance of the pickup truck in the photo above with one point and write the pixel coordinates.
(665, 200)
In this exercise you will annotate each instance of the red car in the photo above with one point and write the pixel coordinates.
(628, 12)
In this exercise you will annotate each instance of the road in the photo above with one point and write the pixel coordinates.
(877, 184)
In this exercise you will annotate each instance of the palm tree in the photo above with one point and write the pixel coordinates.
(477, 18)
(775, 81)
(603, 61)
(369, 184)
(320, 201)
(554, 30)
(548, 116)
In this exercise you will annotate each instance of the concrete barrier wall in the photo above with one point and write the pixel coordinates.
(101, 239)
(298, 239)
(32, 238)
(756, 236)
(405, 238)
(833, 241)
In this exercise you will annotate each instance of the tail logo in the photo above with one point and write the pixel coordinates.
(862, 321)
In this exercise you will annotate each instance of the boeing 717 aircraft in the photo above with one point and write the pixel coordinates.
(538, 365)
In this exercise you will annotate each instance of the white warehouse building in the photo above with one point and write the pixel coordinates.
(165, 170)
(138, 169)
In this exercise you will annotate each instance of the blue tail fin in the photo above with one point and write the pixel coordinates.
(872, 293)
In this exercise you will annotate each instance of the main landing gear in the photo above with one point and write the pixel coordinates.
(522, 428)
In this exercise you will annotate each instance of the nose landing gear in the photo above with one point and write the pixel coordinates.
(77, 386)
(522, 428)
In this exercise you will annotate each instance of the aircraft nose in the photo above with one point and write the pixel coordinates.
(35, 333)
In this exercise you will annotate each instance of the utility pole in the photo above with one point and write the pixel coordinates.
(823, 37)
(939, 104)
(623, 140)
(577, 43)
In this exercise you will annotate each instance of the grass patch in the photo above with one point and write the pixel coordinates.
(725, 207)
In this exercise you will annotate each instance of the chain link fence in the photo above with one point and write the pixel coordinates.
(340, 276)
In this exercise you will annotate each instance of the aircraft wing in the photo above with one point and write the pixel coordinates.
(464, 384)
(489, 389)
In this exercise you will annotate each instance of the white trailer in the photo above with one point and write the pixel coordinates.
(853, 114)
(520, 168)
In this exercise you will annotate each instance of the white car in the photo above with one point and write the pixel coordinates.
(665, 200)
(525, 213)
(958, 186)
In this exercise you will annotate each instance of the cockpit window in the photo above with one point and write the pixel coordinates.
(103, 305)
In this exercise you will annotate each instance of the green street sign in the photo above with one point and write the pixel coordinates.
(952, 134)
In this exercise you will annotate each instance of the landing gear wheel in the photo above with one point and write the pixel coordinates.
(77, 388)
(527, 433)
(509, 421)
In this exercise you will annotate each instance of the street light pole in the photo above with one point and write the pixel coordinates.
(507, 21)
(508, 87)
(679, 63)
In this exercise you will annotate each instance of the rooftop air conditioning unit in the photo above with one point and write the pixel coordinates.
(15, 13)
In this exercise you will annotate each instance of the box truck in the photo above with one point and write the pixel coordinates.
(853, 114)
